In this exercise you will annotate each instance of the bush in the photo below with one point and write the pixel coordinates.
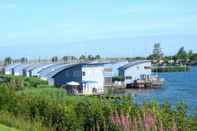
(22, 123)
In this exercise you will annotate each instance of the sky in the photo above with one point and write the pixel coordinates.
(111, 28)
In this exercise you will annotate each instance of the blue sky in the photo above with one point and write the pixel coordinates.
(107, 27)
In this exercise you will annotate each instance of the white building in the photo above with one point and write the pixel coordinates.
(9, 70)
(89, 76)
(135, 70)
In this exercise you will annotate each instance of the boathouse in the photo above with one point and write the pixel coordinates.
(89, 76)
(9, 70)
(135, 70)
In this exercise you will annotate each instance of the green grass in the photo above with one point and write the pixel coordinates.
(5, 128)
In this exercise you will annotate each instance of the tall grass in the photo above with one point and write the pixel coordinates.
(21, 123)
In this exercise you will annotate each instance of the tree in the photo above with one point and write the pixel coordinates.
(23, 60)
(54, 59)
(65, 58)
(157, 51)
(82, 57)
(91, 57)
(8, 60)
(182, 55)
(190, 54)
(97, 57)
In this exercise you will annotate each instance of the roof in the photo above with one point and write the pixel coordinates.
(133, 63)
(20, 67)
(55, 72)
(45, 72)
(11, 66)
(33, 67)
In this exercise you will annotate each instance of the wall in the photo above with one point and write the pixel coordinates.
(67, 75)
(136, 72)
(94, 73)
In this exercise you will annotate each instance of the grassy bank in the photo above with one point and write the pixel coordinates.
(171, 68)
(43, 108)
(5, 128)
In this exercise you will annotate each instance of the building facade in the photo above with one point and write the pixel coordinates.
(135, 71)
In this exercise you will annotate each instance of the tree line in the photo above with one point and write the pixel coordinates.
(181, 57)
(54, 59)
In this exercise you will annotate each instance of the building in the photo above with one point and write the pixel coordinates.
(9, 70)
(115, 67)
(43, 74)
(134, 71)
(19, 70)
(89, 76)
(37, 70)
(28, 70)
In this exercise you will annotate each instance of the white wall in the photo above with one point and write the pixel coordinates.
(137, 71)
(94, 74)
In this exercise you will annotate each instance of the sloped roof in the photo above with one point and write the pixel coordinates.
(50, 69)
(133, 63)
(56, 71)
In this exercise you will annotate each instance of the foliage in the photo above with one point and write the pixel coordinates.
(21, 123)
(52, 109)
(171, 68)
(117, 78)
(7, 60)
(157, 52)
(5, 128)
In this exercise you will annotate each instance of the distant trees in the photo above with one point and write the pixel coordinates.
(181, 54)
(23, 60)
(157, 52)
(54, 59)
(82, 57)
(89, 57)
(8, 60)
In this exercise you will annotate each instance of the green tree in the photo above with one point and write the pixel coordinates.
(82, 57)
(65, 58)
(97, 57)
(182, 55)
(91, 57)
(23, 60)
(54, 59)
(8, 60)
(157, 52)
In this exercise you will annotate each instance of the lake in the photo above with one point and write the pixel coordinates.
(179, 86)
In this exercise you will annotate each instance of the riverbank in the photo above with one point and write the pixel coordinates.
(184, 68)
(53, 109)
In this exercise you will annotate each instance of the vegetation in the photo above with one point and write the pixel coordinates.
(32, 108)
(118, 78)
(183, 68)
(157, 52)
(5, 128)
(182, 56)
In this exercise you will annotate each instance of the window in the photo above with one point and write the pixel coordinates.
(128, 77)
(147, 67)
(84, 73)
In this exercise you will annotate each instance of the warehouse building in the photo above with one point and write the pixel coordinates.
(90, 77)
(135, 70)
(9, 70)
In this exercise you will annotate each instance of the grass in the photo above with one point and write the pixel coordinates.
(5, 128)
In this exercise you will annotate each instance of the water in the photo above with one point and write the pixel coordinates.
(179, 86)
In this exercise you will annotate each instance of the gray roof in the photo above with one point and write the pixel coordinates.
(45, 72)
(133, 63)
(55, 72)
(20, 67)
(11, 66)
(31, 67)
